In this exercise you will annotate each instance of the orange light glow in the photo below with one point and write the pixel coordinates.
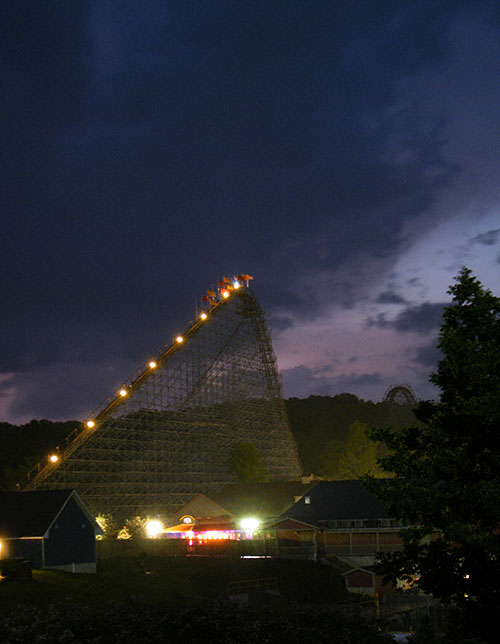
(179, 339)
(53, 458)
(123, 393)
(225, 294)
(90, 423)
(203, 316)
(152, 364)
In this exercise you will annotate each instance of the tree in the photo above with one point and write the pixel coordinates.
(246, 462)
(318, 420)
(108, 525)
(352, 458)
(134, 528)
(446, 488)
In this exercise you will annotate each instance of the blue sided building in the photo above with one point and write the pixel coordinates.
(52, 528)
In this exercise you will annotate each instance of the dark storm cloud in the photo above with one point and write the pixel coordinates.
(149, 148)
(421, 319)
(73, 389)
(302, 381)
(389, 297)
(206, 126)
(489, 238)
(354, 382)
(429, 355)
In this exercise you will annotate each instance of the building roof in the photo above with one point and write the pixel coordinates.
(235, 500)
(265, 500)
(204, 506)
(31, 514)
(336, 501)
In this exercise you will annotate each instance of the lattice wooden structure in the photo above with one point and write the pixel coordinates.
(169, 433)
(401, 395)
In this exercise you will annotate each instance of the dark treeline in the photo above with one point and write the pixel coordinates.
(23, 446)
(321, 426)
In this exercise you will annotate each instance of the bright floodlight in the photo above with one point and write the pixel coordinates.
(236, 284)
(53, 458)
(152, 364)
(250, 523)
(123, 393)
(225, 293)
(90, 423)
(179, 339)
(203, 316)
(154, 528)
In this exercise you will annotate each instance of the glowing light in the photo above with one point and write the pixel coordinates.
(187, 520)
(214, 535)
(53, 458)
(123, 393)
(90, 423)
(105, 523)
(250, 524)
(225, 294)
(124, 534)
(152, 364)
(203, 316)
(154, 528)
(179, 339)
(236, 284)
(209, 535)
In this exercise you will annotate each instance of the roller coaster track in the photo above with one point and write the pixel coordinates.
(226, 381)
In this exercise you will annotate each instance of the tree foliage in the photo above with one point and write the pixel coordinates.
(352, 458)
(447, 483)
(25, 445)
(246, 463)
(315, 421)
(108, 525)
(318, 421)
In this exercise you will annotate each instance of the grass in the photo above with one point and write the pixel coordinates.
(159, 580)
(179, 599)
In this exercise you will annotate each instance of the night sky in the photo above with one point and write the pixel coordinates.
(345, 154)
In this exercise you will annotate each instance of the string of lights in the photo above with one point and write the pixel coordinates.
(169, 432)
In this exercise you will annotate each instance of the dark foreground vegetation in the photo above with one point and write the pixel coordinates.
(221, 622)
(182, 600)
(156, 579)
(446, 474)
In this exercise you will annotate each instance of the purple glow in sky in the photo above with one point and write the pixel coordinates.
(345, 157)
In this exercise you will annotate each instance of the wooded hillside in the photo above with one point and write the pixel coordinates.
(321, 426)
(329, 432)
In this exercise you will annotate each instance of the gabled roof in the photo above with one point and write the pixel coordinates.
(290, 524)
(203, 506)
(31, 514)
(265, 500)
(336, 501)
